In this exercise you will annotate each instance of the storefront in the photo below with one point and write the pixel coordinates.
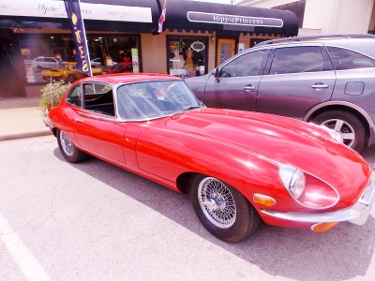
(196, 36)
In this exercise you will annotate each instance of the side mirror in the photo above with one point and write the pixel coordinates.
(216, 72)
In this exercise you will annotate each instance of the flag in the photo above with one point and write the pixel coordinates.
(77, 26)
(162, 16)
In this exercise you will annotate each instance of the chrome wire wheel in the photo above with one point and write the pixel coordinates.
(66, 144)
(344, 128)
(217, 202)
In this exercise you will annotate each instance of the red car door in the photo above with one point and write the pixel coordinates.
(100, 135)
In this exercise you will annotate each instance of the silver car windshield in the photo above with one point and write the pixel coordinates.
(154, 99)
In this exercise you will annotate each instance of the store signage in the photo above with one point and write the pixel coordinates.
(79, 36)
(232, 19)
(56, 9)
(198, 46)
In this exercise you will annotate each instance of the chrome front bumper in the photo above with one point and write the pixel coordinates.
(356, 214)
(48, 124)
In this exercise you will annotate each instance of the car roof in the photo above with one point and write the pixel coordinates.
(318, 38)
(43, 57)
(118, 78)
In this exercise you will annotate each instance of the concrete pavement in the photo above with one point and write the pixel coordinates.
(20, 116)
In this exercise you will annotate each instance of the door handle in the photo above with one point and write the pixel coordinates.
(319, 86)
(249, 88)
(79, 120)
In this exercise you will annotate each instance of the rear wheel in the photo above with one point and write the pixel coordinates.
(222, 210)
(70, 152)
(347, 124)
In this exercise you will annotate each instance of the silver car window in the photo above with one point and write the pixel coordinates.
(299, 59)
(249, 64)
(346, 59)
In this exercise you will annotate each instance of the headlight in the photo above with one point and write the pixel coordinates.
(306, 189)
(293, 180)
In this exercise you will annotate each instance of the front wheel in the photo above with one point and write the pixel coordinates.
(347, 124)
(222, 210)
(70, 152)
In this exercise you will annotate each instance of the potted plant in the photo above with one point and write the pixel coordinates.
(52, 94)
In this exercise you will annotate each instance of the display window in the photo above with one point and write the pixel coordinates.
(45, 54)
(187, 56)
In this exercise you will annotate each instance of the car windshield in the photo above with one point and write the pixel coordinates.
(154, 99)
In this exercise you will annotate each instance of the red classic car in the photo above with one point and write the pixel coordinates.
(120, 67)
(239, 168)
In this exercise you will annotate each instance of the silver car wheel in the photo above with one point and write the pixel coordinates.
(217, 202)
(66, 144)
(344, 128)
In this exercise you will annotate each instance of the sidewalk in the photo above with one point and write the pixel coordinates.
(20, 117)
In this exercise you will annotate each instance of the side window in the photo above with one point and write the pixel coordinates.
(249, 64)
(74, 97)
(345, 59)
(299, 59)
(99, 98)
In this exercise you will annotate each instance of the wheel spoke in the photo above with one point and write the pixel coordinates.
(348, 136)
(66, 144)
(345, 129)
(338, 126)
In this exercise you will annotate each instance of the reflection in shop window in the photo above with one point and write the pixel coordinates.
(187, 57)
(42, 53)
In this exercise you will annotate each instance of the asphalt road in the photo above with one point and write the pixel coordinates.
(94, 221)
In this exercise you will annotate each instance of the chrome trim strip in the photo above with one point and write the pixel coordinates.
(93, 116)
(48, 124)
(341, 215)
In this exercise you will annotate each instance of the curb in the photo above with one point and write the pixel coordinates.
(23, 135)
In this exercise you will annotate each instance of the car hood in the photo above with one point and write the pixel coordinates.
(280, 139)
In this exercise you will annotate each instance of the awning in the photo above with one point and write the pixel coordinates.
(141, 16)
(193, 15)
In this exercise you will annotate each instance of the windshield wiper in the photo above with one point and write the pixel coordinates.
(192, 107)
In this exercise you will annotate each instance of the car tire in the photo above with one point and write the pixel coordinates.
(70, 152)
(347, 124)
(37, 69)
(71, 78)
(222, 210)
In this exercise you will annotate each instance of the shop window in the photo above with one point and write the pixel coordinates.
(187, 56)
(43, 52)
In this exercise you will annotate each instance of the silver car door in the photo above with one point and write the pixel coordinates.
(237, 83)
(298, 79)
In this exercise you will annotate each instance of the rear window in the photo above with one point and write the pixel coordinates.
(346, 59)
